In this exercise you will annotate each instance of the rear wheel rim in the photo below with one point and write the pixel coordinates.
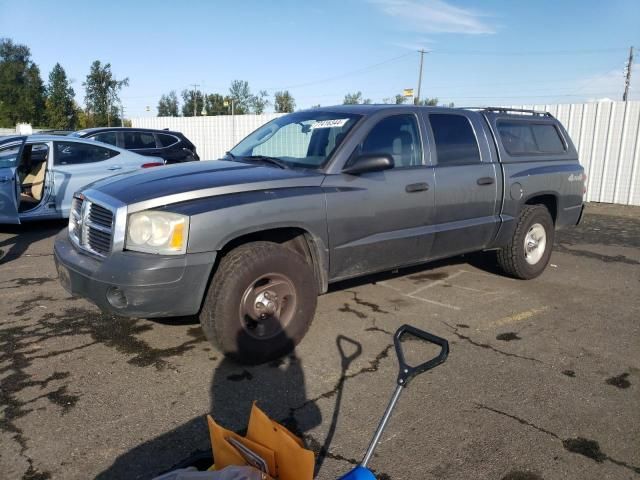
(535, 243)
(268, 306)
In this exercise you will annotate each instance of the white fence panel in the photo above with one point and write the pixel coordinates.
(606, 135)
(212, 136)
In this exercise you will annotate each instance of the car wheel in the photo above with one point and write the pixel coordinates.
(260, 303)
(528, 253)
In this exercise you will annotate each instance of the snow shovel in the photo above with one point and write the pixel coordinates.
(405, 374)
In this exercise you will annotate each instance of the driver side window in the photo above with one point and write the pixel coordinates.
(397, 136)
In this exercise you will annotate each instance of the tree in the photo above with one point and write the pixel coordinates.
(241, 96)
(260, 102)
(284, 102)
(192, 103)
(429, 102)
(214, 104)
(400, 99)
(22, 93)
(355, 99)
(168, 105)
(102, 95)
(61, 107)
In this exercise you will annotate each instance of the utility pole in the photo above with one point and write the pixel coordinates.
(195, 98)
(627, 80)
(417, 99)
(121, 115)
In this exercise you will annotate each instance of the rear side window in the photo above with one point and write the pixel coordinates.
(547, 138)
(525, 138)
(166, 140)
(106, 137)
(139, 140)
(397, 136)
(455, 141)
(70, 153)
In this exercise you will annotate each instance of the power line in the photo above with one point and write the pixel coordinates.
(523, 53)
(346, 74)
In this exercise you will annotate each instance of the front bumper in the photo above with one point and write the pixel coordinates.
(153, 285)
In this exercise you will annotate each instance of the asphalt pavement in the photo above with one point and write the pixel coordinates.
(542, 381)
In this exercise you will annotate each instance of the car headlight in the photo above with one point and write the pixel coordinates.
(163, 233)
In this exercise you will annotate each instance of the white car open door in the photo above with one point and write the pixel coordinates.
(10, 155)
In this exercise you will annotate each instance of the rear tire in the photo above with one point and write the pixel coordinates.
(260, 303)
(528, 253)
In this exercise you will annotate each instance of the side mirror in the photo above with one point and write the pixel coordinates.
(369, 163)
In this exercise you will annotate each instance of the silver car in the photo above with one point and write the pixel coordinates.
(40, 173)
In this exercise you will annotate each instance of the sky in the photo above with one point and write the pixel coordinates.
(493, 52)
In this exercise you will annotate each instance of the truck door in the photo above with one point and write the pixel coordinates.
(466, 185)
(10, 155)
(378, 220)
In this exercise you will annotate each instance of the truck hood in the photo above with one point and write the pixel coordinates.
(182, 182)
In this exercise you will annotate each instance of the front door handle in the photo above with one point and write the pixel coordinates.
(416, 187)
(485, 181)
(5, 179)
(117, 167)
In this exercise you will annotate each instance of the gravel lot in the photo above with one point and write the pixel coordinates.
(543, 379)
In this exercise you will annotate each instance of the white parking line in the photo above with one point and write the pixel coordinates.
(436, 282)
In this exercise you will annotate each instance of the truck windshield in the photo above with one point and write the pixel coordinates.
(303, 139)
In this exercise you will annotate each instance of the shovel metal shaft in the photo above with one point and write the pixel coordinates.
(382, 425)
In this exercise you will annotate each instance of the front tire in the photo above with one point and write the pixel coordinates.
(528, 253)
(260, 303)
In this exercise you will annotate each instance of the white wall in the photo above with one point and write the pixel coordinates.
(606, 134)
(607, 137)
(212, 136)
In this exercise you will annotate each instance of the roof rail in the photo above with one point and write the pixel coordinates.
(537, 113)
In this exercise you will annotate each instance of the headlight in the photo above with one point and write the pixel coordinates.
(157, 232)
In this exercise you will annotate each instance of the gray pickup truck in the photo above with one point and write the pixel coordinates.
(248, 242)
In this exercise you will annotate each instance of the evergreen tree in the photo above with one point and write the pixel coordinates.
(192, 103)
(241, 96)
(61, 108)
(102, 95)
(284, 102)
(214, 105)
(22, 93)
(355, 99)
(168, 105)
(260, 102)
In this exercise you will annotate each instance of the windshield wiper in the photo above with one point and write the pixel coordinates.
(266, 159)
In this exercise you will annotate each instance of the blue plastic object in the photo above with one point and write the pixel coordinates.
(359, 473)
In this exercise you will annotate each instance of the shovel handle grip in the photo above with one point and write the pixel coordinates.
(407, 372)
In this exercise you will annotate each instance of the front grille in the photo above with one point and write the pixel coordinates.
(100, 216)
(91, 226)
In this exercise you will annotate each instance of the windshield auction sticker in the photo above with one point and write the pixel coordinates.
(337, 123)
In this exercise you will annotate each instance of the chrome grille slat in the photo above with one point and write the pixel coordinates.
(91, 226)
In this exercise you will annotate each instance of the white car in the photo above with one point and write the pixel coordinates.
(40, 173)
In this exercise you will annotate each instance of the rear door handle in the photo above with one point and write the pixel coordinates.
(5, 179)
(485, 181)
(416, 187)
(117, 167)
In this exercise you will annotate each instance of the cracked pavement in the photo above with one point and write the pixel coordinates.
(542, 382)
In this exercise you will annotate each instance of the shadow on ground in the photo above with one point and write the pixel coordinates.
(26, 235)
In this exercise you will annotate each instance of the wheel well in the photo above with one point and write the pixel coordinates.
(296, 239)
(549, 201)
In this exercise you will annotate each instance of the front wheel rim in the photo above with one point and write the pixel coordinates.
(268, 306)
(535, 243)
